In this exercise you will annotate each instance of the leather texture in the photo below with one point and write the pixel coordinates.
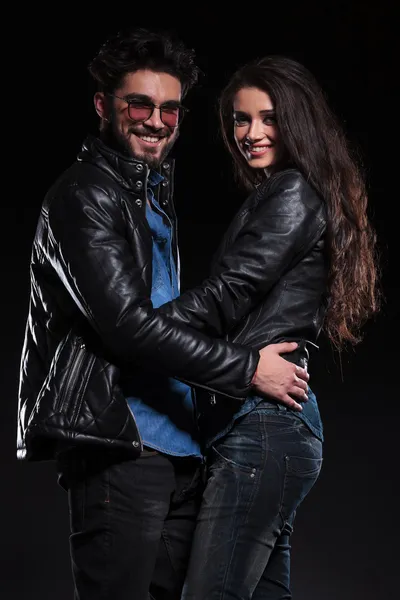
(90, 314)
(269, 277)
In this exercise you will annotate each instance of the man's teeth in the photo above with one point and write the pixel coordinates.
(149, 138)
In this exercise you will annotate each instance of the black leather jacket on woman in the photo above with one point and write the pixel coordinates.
(268, 279)
(90, 314)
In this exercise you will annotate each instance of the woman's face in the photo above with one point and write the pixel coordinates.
(255, 130)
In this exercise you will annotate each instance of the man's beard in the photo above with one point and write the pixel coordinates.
(116, 140)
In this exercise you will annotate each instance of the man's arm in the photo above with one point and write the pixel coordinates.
(88, 249)
(275, 234)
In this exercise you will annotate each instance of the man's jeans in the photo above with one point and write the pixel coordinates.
(132, 523)
(257, 476)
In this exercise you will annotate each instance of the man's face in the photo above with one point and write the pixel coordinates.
(150, 139)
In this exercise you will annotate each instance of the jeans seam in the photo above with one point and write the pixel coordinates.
(164, 537)
(84, 492)
(232, 463)
(108, 529)
(287, 458)
(256, 482)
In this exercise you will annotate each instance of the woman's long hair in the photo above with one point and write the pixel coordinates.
(315, 143)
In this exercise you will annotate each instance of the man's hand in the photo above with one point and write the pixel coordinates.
(278, 378)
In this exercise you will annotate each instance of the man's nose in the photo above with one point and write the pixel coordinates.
(154, 120)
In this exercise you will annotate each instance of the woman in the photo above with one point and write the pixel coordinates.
(297, 258)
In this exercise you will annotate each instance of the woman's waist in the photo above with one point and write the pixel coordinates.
(300, 356)
(258, 335)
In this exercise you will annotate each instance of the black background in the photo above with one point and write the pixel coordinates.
(344, 544)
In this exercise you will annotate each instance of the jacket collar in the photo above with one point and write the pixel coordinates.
(125, 170)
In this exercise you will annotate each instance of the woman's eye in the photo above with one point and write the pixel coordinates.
(239, 121)
(240, 118)
(269, 120)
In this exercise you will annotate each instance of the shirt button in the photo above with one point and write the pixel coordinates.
(138, 185)
(135, 444)
(139, 168)
(212, 399)
(166, 166)
(138, 202)
(165, 183)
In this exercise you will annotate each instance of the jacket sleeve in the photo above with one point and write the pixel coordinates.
(284, 224)
(87, 246)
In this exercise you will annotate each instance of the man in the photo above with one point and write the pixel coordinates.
(96, 389)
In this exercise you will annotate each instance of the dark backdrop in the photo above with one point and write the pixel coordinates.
(344, 544)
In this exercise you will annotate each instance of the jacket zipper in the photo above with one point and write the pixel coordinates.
(82, 388)
(77, 359)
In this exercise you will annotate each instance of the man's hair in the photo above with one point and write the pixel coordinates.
(135, 49)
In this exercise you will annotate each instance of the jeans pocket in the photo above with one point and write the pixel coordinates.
(243, 447)
(300, 475)
(303, 466)
(240, 451)
(219, 460)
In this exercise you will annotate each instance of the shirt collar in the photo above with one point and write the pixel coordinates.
(155, 178)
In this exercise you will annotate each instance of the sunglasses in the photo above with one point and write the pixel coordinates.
(139, 111)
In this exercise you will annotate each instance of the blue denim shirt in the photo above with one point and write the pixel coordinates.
(163, 407)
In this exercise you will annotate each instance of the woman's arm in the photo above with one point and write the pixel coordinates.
(88, 249)
(282, 227)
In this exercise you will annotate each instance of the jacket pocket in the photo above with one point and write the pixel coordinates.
(74, 382)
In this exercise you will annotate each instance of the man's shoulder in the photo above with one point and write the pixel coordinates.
(82, 181)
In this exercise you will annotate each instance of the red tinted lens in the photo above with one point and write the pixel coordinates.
(170, 116)
(139, 112)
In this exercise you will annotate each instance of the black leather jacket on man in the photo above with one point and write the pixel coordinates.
(268, 279)
(90, 314)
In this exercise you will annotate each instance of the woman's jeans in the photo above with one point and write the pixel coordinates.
(257, 476)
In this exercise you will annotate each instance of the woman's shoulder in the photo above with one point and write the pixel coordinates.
(291, 183)
(289, 177)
